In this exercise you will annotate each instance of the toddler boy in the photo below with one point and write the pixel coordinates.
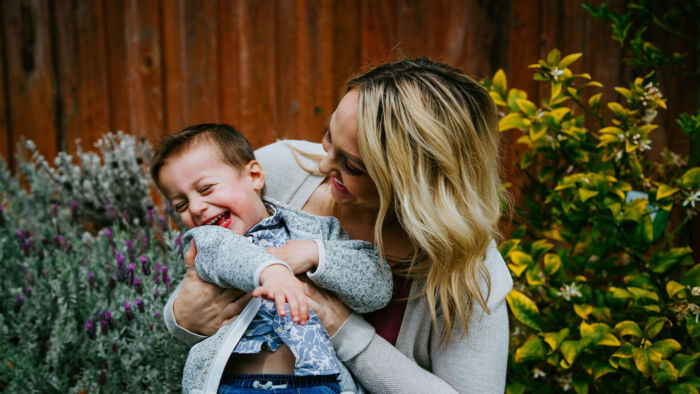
(210, 176)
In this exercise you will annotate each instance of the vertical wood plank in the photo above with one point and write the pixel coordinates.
(191, 58)
(143, 62)
(5, 146)
(346, 45)
(257, 53)
(230, 64)
(31, 90)
(82, 71)
(290, 98)
(378, 31)
(115, 44)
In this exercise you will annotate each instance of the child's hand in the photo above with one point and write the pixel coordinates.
(280, 285)
(300, 255)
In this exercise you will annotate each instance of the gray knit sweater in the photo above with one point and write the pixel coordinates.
(419, 363)
(349, 268)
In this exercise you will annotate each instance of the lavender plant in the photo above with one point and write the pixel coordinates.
(80, 308)
(102, 188)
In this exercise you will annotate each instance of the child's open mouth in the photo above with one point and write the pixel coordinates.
(223, 220)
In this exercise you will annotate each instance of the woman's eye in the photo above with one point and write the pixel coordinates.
(327, 134)
(352, 170)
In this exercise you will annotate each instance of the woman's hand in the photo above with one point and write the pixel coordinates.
(203, 307)
(329, 309)
(300, 255)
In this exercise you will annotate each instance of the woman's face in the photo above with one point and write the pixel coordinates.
(350, 183)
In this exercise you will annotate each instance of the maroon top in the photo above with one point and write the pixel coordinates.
(387, 321)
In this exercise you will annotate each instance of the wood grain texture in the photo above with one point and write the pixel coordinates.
(5, 138)
(30, 74)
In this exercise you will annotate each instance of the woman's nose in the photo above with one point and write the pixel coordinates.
(327, 164)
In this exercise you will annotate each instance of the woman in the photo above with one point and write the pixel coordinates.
(412, 166)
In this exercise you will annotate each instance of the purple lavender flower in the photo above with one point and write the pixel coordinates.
(140, 305)
(178, 242)
(127, 311)
(104, 327)
(130, 249)
(28, 291)
(156, 294)
(149, 218)
(145, 266)
(2, 216)
(74, 211)
(137, 285)
(102, 377)
(156, 271)
(167, 282)
(163, 223)
(18, 303)
(121, 270)
(20, 237)
(90, 328)
(40, 253)
(54, 210)
(144, 244)
(45, 241)
(109, 320)
(108, 233)
(112, 282)
(57, 241)
(130, 274)
(127, 217)
(164, 270)
(157, 314)
(104, 363)
(91, 281)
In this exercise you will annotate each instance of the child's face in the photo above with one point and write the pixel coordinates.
(204, 189)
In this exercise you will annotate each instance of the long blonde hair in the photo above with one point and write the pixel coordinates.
(428, 136)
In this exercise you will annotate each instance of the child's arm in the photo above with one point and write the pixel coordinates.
(230, 260)
(351, 269)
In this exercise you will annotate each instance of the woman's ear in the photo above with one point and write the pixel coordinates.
(256, 174)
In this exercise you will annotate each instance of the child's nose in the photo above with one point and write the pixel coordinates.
(197, 206)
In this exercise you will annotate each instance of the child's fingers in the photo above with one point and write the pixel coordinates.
(293, 302)
(257, 292)
(304, 309)
(280, 302)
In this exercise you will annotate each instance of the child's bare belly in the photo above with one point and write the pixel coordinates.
(280, 362)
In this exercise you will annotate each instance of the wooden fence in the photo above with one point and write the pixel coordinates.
(79, 68)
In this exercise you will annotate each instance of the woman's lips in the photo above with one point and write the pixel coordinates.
(338, 186)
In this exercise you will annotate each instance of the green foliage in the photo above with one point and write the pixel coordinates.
(80, 304)
(604, 299)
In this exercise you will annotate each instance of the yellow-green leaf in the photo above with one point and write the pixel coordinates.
(585, 194)
(534, 276)
(625, 92)
(516, 269)
(500, 101)
(676, 290)
(655, 325)
(583, 310)
(531, 350)
(665, 191)
(642, 294)
(552, 263)
(628, 327)
(691, 178)
(647, 362)
(683, 388)
(513, 121)
(570, 349)
(665, 348)
(553, 57)
(601, 370)
(610, 130)
(526, 106)
(666, 374)
(524, 309)
(617, 109)
(608, 340)
(521, 258)
(619, 293)
(594, 101)
(567, 60)
(500, 83)
(559, 113)
(554, 339)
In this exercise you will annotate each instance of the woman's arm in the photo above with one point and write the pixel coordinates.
(473, 363)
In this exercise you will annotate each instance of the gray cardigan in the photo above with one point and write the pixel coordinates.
(349, 268)
(475, 363)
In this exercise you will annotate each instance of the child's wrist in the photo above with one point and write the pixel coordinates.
(279, 268)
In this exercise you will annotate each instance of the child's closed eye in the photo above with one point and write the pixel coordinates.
(180, 206)
(205, 189)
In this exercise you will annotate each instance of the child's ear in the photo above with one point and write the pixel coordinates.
(256, 174)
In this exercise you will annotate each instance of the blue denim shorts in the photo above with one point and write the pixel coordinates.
(278, 384)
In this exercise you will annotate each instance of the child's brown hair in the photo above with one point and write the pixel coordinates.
(233, 146)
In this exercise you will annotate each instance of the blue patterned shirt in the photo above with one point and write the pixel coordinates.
(309, 343)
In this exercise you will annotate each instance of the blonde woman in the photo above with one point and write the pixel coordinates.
(411, 165)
